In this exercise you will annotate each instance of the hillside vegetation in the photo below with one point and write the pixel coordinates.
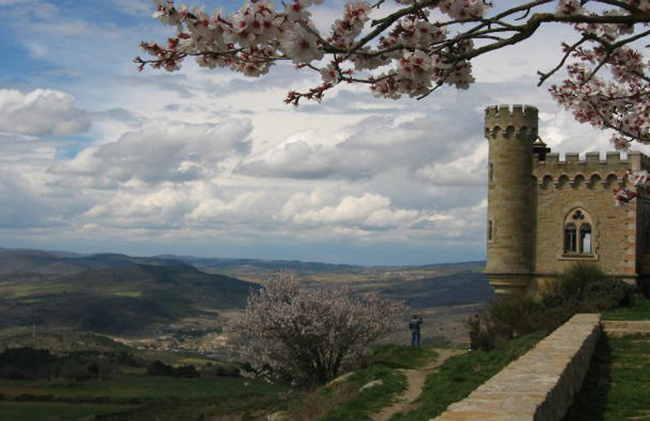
(118, 300)
(123, 295)
(81, 376)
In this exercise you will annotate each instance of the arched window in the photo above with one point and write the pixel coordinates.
(570, 243)
(578, 235)
(585, 238)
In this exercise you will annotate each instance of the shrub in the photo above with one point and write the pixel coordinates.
(159, 368)
(27, 363)
(186, 371)
(582, 288)
(291, 330)
(586, 288)
(509, 317)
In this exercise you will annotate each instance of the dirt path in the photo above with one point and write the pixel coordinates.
(415, 383)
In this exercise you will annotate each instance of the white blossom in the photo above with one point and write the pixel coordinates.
(307, 333)
(415, 47)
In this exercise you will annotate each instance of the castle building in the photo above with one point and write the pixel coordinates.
(545, 214)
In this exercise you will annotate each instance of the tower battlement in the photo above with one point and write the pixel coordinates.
(518, 118)
(573, 165)
(545, 214)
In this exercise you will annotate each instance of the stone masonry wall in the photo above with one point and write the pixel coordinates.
(565, 185)
(541, 384)
(511, 132)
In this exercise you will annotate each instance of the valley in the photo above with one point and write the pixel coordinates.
(185, 304)
(108, 319)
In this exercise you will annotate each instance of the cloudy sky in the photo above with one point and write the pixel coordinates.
(97, 157)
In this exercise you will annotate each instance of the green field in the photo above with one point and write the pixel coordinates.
(139, 387)
(20, 411)
(44, 400)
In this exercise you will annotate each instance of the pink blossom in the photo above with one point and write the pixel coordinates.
(307, 333)
(301, 45)
(416, 47)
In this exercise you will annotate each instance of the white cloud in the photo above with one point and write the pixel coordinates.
(244, 208)
(66, 29)
(41, 112)
(458, 223)
(371, 147)
(162, 208)
(20, 148)
(369, 211)
(136, 7)
(22, 203)
(162, 151)
(38, 8)
(467, 168)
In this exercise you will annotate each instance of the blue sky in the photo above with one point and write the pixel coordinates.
(98, 157)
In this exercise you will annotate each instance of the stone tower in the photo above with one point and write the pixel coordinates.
(546, 214)
(511, 133)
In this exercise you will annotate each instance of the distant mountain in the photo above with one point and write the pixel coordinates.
(224, 264)
(24, 261)
(457, 288)
(117, 300)
(120, 294)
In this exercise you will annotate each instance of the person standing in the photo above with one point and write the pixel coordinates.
(414, 327)
(474, 323)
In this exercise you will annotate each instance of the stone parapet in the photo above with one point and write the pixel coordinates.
(591, 165)
(541, 384)
(519, 117)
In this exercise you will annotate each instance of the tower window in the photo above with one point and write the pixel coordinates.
(570, 243)
(578, 235)
(585, 239)
(489, 231)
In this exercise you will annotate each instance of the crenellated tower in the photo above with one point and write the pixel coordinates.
(546, 214)
(511, 133)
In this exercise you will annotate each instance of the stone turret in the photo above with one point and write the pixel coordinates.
(511, 133)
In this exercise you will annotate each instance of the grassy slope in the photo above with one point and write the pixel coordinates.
(157, 397)
(370, 399)
(639, 311)
(617, 385)
(457, 377)
(460, 375)
(45, 411)
(343, 400)
(110, 300)
(128, 389)
(123, 388)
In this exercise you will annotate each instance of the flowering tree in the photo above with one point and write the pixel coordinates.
(306, 333)
(413, 47)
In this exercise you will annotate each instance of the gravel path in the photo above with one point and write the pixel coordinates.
(415, 383)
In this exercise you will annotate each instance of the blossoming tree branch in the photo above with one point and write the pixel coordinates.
(413, 47)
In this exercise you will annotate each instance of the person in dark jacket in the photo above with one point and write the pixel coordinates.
(414, 327)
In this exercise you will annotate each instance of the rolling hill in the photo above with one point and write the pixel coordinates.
(124, 295)
(26, 261)
(116, 300)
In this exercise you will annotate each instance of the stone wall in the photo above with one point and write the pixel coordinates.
(541, 384)
(532, 192)
(511, 133)
(564, 186)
